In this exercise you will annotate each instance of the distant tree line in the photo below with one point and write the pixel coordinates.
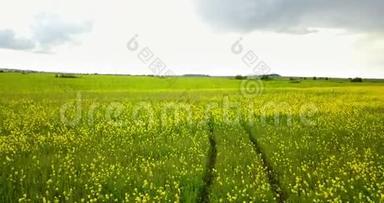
(292, 79)
(356, 79)
(262, 77)
(63, 75)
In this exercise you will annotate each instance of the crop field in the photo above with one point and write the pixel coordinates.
(100, 138)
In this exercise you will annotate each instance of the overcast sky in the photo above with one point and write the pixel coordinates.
(342, 38)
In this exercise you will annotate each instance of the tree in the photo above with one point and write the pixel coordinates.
(357, 80)
(239, 77)
(264, 77)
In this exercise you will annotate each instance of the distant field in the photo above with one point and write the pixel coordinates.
(100, 138)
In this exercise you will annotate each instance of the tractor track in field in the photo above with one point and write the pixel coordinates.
(273, 179)
(210, 166)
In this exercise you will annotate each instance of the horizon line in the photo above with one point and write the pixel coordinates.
(182, 75)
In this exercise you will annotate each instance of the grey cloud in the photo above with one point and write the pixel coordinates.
(47, 32)
(293, 16)
(8, 40)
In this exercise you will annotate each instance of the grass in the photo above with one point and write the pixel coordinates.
(133, 139)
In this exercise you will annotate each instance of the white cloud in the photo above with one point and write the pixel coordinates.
(8, 40)
(50, 30)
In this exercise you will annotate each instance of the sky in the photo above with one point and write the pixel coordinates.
(326, 38)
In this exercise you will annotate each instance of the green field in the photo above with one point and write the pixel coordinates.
(99, 138)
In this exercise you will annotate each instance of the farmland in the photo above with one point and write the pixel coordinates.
(98, 138)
